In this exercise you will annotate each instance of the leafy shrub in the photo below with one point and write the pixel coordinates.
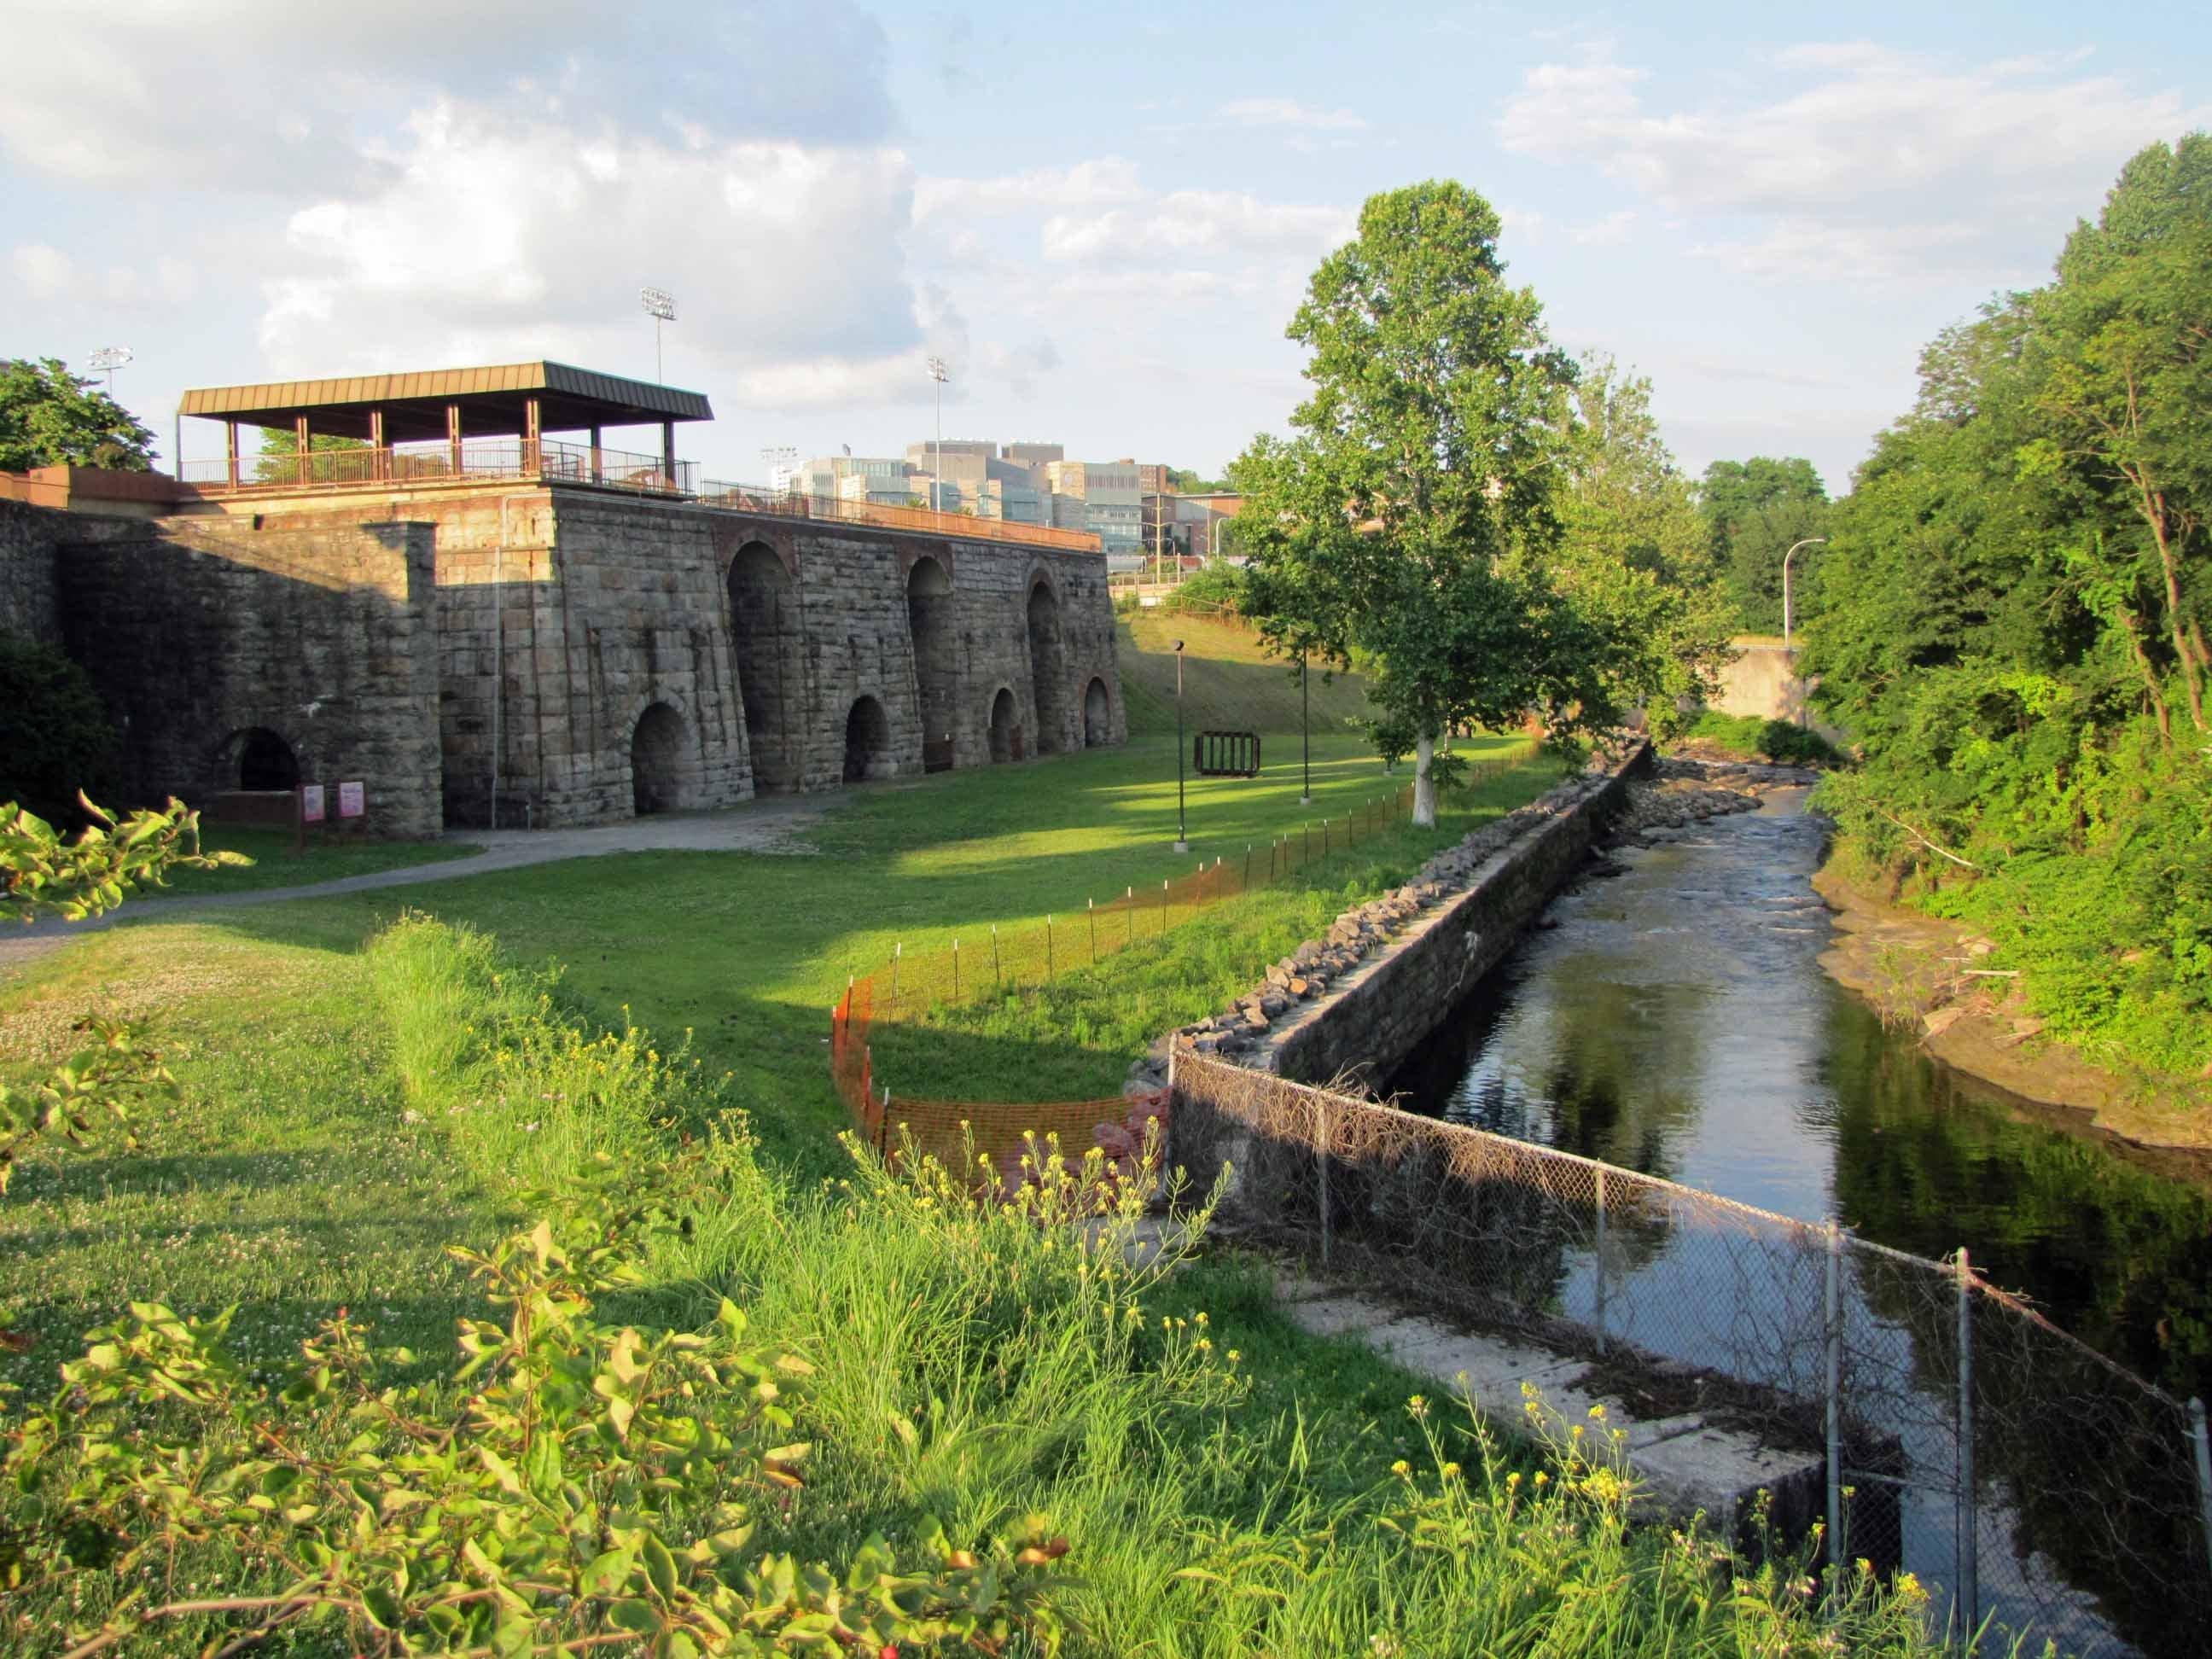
(1216, 590)
(1754, 738)
(55, 739)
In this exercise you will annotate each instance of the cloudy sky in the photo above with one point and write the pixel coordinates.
(1100, 216)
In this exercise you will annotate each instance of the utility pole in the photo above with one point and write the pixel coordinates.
(1182, 829)
(937, 475)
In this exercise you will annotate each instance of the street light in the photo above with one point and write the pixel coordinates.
(1182, 829)
(660, 305)
(936, 468)
(1810, 541)
(1305, 730)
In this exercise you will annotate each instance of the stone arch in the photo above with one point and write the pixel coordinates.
(768, 641)
(266, 760)
(1097, 715)
(660, 779)
(867, 741)
(1006, 727)
(936, 643)
(1049, 677)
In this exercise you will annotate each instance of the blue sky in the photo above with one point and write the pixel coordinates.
(1103, 218)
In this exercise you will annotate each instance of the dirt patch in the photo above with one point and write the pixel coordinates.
(1928, 974)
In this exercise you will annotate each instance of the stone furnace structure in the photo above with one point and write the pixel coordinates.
(491, 626)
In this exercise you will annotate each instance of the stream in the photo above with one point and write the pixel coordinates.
(1675, 1019)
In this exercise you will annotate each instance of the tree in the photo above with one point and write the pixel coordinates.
(1185, 482)
(51, 417)
(1636, 558)
(1423, 462)
(1755, 510)
(56, 740)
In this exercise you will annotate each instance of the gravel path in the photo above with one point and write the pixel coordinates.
(771, 825)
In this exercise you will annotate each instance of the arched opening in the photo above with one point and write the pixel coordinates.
(656, 761)
(867, 742)
(1005, 728)
(265, 761)
(936, 659)
(767, 639)
(1097, 716)
(1049, 670)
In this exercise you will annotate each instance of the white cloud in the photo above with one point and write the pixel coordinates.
(1873, 163)
(1187, 221)
(42, 271)
(249, 95)
(490, 238)
(1105, 180)
(1289, 113)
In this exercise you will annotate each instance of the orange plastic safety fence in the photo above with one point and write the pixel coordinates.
(909, 986)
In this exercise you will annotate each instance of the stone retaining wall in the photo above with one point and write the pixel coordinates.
(28, 606)
(1355, 1004)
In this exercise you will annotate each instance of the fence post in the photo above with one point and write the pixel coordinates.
(956, 971)
(2203, 1470)
(1320, 1166)
(883, 1122)
(1969, 1592)
(1132, 900)
(1601, 1259)
(1091, 907)
(897, 951)
(1048, 945)
(1835, 1376)
(1248, 868)
(1164, 909)
(996, 983)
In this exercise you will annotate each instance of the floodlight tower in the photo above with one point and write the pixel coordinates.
(659, 304)
(110, 358)
(936, 373)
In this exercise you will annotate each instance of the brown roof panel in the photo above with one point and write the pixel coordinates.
(584, 397)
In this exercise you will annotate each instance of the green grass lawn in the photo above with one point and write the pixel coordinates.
(1229, 684)
(323, 858)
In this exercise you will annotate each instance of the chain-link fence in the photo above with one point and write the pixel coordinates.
(2027, 1480)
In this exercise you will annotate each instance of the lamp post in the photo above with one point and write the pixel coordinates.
(659, 304)
(1810, 541)
(938, 374)
(1305, 730)
(1182, 829)
(110, 358)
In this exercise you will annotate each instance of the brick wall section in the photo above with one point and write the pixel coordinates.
(198, 629)
(28, 605)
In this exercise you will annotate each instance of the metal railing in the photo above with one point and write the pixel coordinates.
(2025, 1477)
(481, 459)
(476, 460)
(796, 504)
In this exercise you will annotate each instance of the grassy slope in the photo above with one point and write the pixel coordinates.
(1230, 684)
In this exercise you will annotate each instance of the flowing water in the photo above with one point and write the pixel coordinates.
(1675, 1019)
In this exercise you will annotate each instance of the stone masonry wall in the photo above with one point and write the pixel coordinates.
(28, 606)
(1358, 1003)
(198, 630)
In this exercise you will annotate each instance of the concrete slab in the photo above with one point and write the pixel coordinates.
(1722, 1472)
(1338, 1315)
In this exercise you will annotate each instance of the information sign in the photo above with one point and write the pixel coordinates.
(352, 799)
(310, 803)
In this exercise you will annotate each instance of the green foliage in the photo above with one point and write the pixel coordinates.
(1634, 558)
(51, 417)
(1184, 482)
(56, 742)
(2012, 626)
(1750, 738)
(48, 874)
(1217, 590)
(1755, 512)
(1423, 457)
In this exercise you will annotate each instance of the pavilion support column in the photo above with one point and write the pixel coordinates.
(454, 437)
(597, 473)
(532, 437)
(230, 449)
(668, 452)
(300, 446)
(380, 452)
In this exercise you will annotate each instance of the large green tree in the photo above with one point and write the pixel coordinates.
(2011, 624)
(51, 417)
(1635, 558)
(1755, 511)
(1403, 519)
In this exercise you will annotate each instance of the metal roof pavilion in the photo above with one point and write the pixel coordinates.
(503, 400)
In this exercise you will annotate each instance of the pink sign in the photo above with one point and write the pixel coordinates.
(352, 800)
(310, 803)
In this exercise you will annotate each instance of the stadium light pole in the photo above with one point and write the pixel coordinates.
(1305, 730)
(780, 457)
(660, 305)
(1810, 541)
(1182, 828)
(938, 374)
(110, 358)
